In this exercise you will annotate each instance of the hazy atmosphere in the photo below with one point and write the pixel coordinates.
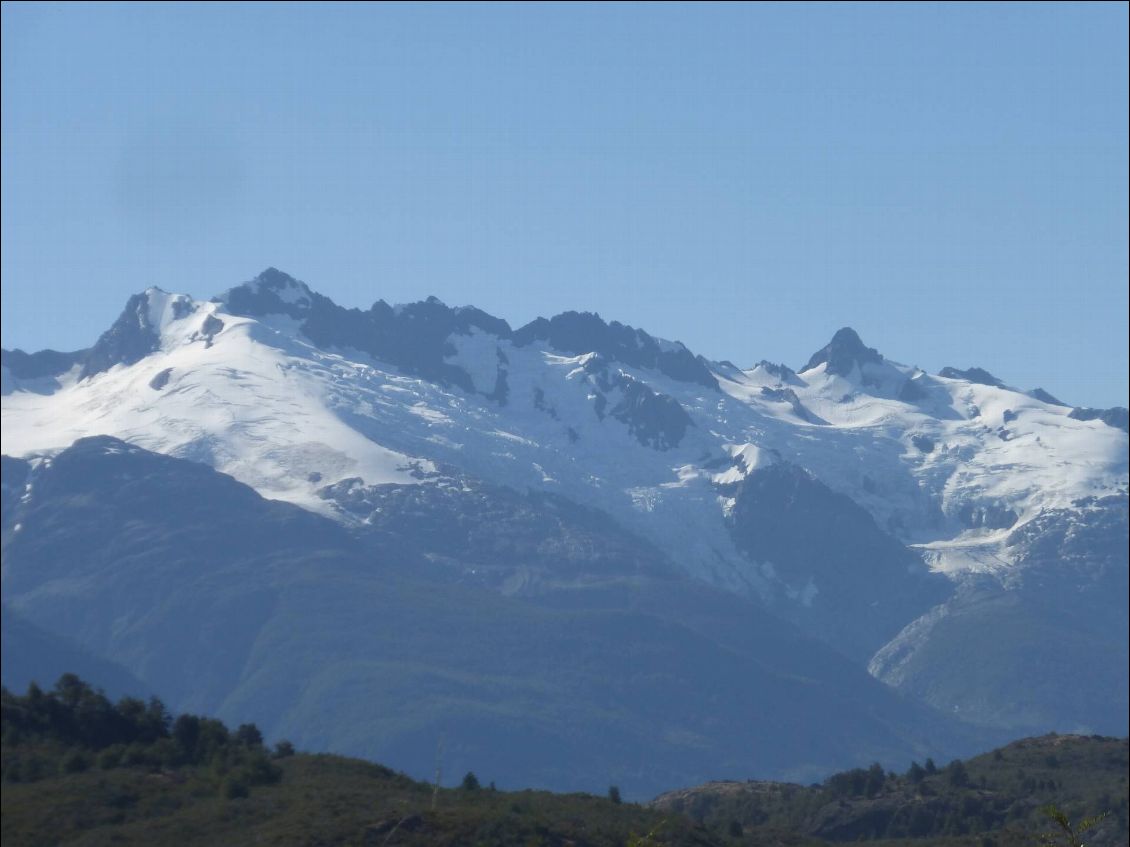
(951, 181)
(606, 425)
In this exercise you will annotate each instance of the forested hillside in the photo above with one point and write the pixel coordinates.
(80, 769)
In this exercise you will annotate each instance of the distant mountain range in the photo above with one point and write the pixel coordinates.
(572, 550)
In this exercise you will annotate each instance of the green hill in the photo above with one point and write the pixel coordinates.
(992, 799)
(81, 770)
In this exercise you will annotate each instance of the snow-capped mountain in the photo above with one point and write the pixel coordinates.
(290, 394)
(871, 503)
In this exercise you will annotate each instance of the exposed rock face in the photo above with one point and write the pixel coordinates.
(986, 516)
(654, 420)
(1079, 555)
(130, 339)
(843, 353)
(585, 332)
(787, 395)
(412, 337)
(1117, 417)
(161, 379)
(135, 334)
(38, 372)
(784, 373)
(415, 337)
(1045, 397)
(854, 582)
(976, 375)
(45, 363)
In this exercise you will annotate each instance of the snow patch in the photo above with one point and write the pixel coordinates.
(477, 353)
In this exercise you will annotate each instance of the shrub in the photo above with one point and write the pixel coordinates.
(110, 758)
(260, 771)
(136, 754)
(73, 762)
(234, 788)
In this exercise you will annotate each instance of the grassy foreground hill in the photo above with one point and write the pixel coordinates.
(80, 770)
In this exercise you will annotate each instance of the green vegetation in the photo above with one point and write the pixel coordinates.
(994, 800)
(75, 728)
(78, 769)
(1069, 833)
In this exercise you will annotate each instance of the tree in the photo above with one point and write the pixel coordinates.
(958, 775)
(470, 782)
(614, 794)
(1069, 835)
(157, 720)
(875, 779)
(916, 773)
(186, 733)
(249, 735)
(71, 690)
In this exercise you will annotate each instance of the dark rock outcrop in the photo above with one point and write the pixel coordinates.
(843, 353)
(44, 364)
(977, 375)
(850, 581)
(1117, 417)
(1045, 397)
(585, 332)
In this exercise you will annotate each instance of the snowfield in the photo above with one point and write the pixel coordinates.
(949, 466)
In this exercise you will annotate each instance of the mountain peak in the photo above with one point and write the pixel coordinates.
(272, 277)
(283, 284)
(136, 332)
(272, 292)
(843, 352)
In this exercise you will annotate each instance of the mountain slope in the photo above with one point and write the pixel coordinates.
(31, 654)
(362, 643)
(899, 476)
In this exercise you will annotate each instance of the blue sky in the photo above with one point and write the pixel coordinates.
(950, 180)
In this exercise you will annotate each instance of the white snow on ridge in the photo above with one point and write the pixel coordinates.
(240, 405)
(266, 406)
(164, 308)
